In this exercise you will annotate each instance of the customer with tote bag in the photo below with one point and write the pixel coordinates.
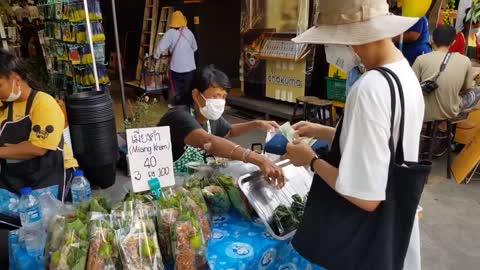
(363, 200)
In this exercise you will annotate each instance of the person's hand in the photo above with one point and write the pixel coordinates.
(273, 174)
(307, 129)
(299, 153)
(267, 125)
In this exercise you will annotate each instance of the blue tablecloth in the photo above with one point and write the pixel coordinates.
(239, 244)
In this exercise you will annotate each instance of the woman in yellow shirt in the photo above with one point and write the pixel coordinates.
(31, 141)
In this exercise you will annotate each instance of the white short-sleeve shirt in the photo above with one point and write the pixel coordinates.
(363, 169)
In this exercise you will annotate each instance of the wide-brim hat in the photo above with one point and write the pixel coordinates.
(178, 20)
(354, 22)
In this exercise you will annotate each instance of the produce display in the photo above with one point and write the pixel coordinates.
(145, 233)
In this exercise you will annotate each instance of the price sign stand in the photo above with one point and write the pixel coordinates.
(150, 157)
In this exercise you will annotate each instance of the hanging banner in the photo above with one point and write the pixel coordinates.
(150, 156)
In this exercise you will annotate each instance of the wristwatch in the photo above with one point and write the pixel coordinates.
(313, 163)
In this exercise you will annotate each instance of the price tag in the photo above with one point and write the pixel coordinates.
(150, 156)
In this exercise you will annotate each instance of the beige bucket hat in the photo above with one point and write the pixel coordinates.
(354, 22)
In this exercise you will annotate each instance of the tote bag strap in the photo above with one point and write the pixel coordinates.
(397, 154)
(400, 153)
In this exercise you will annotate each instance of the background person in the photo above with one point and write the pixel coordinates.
(416, 40)
(456, 80)
(180, 42)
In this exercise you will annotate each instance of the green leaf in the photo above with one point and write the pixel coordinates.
(105, 250)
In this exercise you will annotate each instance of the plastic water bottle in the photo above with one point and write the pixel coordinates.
(30, 214)
(80, 188)
(32, 227)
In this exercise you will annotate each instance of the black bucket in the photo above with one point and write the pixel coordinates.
(91, 120)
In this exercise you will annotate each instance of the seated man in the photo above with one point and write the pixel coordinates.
(454, 82)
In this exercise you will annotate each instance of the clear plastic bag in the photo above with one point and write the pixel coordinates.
(217, 199)
(138, 244)
(188, 242)
(238, 200)
(103, 252)
(72, 254)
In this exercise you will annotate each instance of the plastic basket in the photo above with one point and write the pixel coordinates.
(336, 89)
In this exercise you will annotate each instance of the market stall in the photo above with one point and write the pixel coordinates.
(204, 221)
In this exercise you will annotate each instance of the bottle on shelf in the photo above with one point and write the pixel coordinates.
(80, 188)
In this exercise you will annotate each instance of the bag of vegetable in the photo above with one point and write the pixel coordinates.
(188, 242)
(72, 253)
(103, 253)
(238, 200)
(167, 210)
(217, 199)
(194, 201)
(138, 243)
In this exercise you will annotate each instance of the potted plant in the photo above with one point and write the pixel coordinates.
(142, 115)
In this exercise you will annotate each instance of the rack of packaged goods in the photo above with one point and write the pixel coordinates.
(68, 54)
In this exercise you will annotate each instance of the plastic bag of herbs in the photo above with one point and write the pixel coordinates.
(72, 252)
(167, 215)
(238, 200)
(193, 200)
(188, 242)
(217, 199)
(138, 242)
(123, 212)
(103, 252)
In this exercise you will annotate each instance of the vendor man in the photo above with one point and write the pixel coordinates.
(199, 126)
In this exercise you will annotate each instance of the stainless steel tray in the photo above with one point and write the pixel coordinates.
(265, 198)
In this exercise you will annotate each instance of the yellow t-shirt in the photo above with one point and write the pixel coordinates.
(69, 160)
(47, 120)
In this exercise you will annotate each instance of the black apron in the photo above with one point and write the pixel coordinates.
(37, 173)
(336, 234)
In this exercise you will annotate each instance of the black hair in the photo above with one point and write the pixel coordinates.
(444, 35)
(205, 78)
(10, 63)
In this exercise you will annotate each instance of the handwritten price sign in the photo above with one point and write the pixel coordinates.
(150, 156)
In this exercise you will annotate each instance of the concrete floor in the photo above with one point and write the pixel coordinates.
(450, 227)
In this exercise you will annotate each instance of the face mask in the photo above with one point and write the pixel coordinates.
(13, 96)
(353, 76)
(475, 30)
(214, 108)
(342, 56)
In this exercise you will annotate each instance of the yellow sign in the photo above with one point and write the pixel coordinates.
(196, 20)
(466, 160)
(333, 72)
(285, 80)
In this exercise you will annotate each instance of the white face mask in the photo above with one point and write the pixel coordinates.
(475, 30)
(13, 96)
(214, 108)
(342, 56)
